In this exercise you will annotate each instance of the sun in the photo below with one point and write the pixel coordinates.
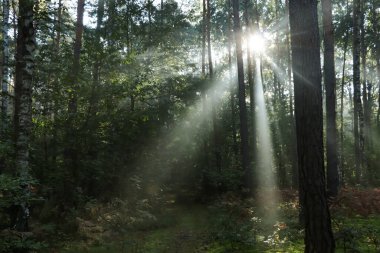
(257, 43)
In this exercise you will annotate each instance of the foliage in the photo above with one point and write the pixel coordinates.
(234, 224)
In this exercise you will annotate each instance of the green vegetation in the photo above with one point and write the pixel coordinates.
(189, 126)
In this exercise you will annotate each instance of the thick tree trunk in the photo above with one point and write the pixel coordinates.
(309, 124)
(23, 102)
(330, 84)
(245, 158)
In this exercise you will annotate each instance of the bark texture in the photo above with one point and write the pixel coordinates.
(306, 64)
(5, 60)
(25, 50)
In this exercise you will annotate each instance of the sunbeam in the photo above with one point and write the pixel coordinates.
(179, 142)
(265, 166)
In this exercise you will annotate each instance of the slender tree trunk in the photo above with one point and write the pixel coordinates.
(233, 89)
(356, 83)
(293, 149)
(57, 46)
(309, 124)
(5, 62)
(4, 79)
(251, 83)
(204, 38)
(23, 102)
(250, 73)
(342, 169)
(376, 31)
(364, 122)
(217, 152)
(71, 152)
(330, 84)
(97, 60)
(245, 158)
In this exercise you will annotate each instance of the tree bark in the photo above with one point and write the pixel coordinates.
(232, 89)
(309, 124)
(356, 83)
(342, 169)
(25, 50)
(293, 149)
(217, 152)
(330, 84)
(375, 21)
(5, 62)
(245, 158)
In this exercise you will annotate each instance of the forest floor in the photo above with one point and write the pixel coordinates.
(228, 225)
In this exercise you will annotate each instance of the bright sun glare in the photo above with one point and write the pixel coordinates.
(257, 43)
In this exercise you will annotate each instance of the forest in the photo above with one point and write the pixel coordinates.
(183, 126)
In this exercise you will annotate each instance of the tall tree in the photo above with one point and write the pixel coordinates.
(330, 84)
(341, 108)
(71, 156)
(306, 64)
(235, 147)
(5, 60)
(356, 82)
(23, 102)
(217, 152)
(375, 21)
(293, 149)
(245, 158)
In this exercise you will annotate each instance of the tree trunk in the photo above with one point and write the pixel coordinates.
(57, 46)
(71, 152)
(97, 61)
(376, 31)
(342, 169)
(309, 124)
(5, 62)
(293, 149)
(23, 102)
(330, 84)
(356, 83)
(245, 158)
(217, 152)
(232, 89)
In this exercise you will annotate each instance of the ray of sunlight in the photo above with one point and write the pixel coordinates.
(265, 166)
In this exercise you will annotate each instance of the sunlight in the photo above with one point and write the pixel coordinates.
(178, 143)
(257, 43)
(265, 166)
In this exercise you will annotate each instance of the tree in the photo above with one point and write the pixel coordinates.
(5, 61)
(245, 158)
(306, 64)
(358, 113)
(23, 102)
(330, 84)
(71, 156)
